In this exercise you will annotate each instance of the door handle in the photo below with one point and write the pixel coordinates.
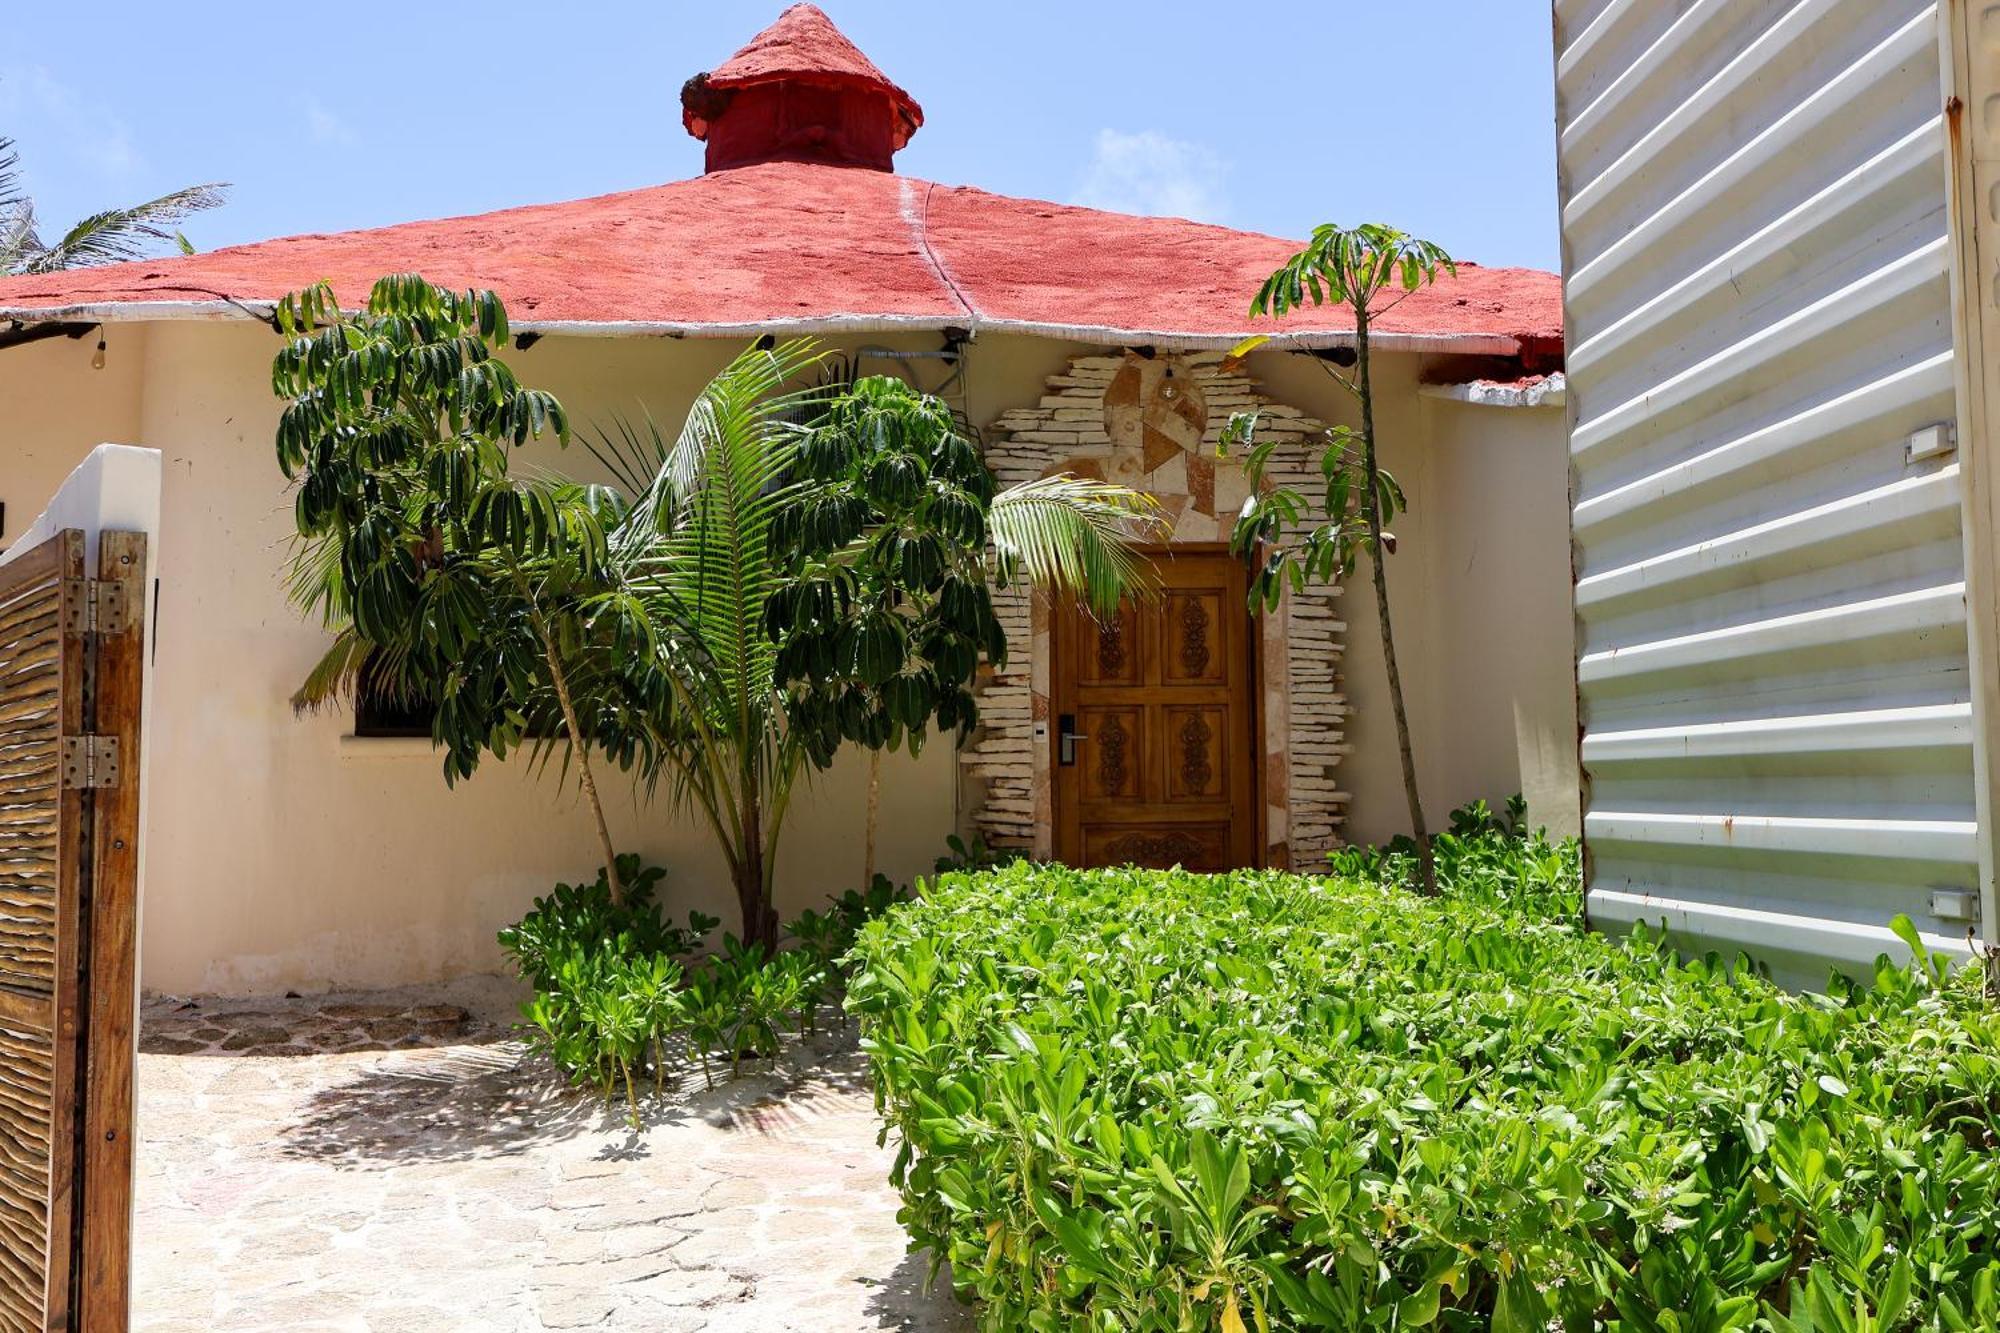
(1066, 738)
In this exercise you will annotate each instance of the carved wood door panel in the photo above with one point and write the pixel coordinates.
(1159, 768)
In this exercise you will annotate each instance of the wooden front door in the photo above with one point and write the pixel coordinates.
(1154, 748)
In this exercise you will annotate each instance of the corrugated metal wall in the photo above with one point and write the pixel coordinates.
(1772, 646)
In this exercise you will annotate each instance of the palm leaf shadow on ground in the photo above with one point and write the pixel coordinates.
(502, 1099)
(461, 1104)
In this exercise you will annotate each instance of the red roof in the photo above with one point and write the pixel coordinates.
(809, 247)
(790, 245)
(805, 45)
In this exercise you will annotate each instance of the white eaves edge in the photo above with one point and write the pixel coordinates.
(1550, 391)
(1468, 344)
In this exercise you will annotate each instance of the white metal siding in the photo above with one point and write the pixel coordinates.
(1772, 644)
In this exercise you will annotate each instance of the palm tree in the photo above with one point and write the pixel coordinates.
(705, 557)
(109, 237)
(751, 595)
(1369, 269)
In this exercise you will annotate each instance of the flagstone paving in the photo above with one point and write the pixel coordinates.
(398, 1162)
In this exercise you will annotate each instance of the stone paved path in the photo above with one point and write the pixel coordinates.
(294, 1174)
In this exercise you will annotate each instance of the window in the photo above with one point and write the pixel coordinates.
(379, 712)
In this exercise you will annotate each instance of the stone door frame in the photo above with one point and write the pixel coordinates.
(1105, 417)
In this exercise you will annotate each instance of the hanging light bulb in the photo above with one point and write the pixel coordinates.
(97, 357)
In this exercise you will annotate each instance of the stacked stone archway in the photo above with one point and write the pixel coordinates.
(1155, 423)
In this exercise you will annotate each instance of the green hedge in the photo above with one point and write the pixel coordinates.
(1135, 1100)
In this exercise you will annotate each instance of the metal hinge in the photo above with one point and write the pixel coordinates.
(98, 606)
(89, 761)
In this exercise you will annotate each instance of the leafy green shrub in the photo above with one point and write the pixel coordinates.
(973, 854)
(614, 999)
(857, 907)
(828, 935)
(745, 995)
(1141, 1100)
(582, 917)
(1488, 854)
(601, 1016)
(709, 1007)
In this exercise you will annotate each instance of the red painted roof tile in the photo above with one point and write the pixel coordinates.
(804, 44)
(805, 246)
(796, 244)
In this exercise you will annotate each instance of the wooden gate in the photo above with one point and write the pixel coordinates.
(71, 666)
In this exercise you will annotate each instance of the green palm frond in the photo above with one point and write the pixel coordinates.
(1078, 535)
(17, 212)
(11, 194)
(336, 676)
(693, 564)
(119, 234)
(313, 581)
(632, 454)
(748, 401)
(726, 474)
(699, 536)
(17, 236)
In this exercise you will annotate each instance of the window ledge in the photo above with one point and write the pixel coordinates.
(386, 747)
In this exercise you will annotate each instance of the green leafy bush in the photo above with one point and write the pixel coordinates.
(828, 935)
(620, 993)
(1486, 852)
(1138, 1100)
(740, 998)
(607, 977)
(973, 854)
(582, 918)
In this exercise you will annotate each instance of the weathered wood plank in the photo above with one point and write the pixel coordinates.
(113, 979)
(50, 560)
(41, 696)
(68, 929)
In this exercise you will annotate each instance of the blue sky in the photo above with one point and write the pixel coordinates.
(1271, 115)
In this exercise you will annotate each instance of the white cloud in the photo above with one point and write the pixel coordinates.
(84, 130)
(1153, 174)
(327, 128)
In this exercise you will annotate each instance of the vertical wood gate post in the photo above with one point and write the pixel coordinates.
(72, 663)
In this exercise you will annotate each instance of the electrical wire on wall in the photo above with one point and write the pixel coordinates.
(954, 388)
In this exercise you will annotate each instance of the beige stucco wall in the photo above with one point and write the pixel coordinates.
(283, 854)
(1479, 593)
(1503, 701)
(54, 409)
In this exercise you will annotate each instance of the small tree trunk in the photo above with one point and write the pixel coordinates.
(581, 749)
(753, 891)
(874, 815)
(1371, 508)
(750, 900)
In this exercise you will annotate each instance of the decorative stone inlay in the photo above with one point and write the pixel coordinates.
(1201, 484)
(1156, 424)
(1158, 406)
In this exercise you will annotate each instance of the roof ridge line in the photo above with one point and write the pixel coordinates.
(920, 225)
